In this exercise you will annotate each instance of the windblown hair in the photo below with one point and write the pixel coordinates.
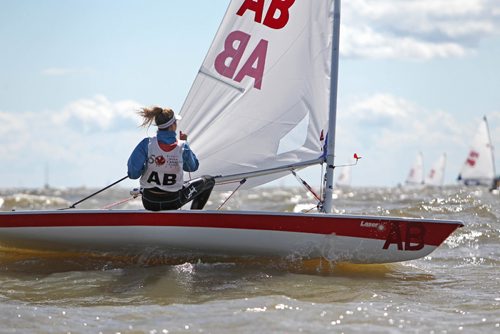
(157, 114)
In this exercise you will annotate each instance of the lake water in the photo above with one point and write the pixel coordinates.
(454, 290)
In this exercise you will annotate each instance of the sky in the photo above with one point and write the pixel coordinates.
(415, 76)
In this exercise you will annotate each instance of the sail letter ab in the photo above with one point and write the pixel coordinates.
(234, 55)
(258, 56)
(231, 53)
(229, 60)
(276, 16)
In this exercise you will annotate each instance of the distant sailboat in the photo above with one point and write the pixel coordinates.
(416, 174)
(479, 166)
(345, 177)
(435, 177)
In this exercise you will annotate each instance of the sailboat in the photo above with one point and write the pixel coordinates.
(415, 177)
(344, 178)
(435, 177)
(345, 173)
(479, 166)
(262, 105)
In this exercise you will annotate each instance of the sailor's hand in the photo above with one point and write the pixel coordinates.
(183, 136)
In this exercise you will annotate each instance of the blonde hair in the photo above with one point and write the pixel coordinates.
(157, 114)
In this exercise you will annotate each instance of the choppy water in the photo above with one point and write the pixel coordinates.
(455, 290)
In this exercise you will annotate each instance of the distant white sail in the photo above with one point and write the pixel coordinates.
(435, 177)
(479, 166)
(416, 174)
(261, 97)
(344, 177)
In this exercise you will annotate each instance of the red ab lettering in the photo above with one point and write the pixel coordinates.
(277, 15)
(234, 54)
(414, 237)
(228, 61)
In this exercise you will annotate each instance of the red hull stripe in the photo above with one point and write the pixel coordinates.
(434, 232)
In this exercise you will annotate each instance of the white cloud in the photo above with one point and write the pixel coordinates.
(97, 113)
(381, 108)
(88, 142)
(10, 141)
(399, 122)
(10, 123)
(388, 131)
(417, 29)
(363, 42)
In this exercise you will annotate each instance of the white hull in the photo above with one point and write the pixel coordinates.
(213, 242)
(339, 238)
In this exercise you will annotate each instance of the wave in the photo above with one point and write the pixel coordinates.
(22, 201)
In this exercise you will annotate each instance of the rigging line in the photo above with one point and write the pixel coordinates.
(72, 206)
(314, 207)
(234, 191)
(109, 206)
(306, 185)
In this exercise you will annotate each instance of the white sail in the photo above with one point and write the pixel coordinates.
(435, 177)
(262, 95)
(416, 174)
(479, 166)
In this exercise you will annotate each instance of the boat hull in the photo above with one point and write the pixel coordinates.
(339, 238)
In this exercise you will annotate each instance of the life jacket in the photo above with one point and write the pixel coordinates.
(163, 169)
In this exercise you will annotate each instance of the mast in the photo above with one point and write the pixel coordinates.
(332, 119)
(491, 148)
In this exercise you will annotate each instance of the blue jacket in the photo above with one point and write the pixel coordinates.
(137, 161)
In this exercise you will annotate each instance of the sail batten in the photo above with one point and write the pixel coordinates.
(211, 76)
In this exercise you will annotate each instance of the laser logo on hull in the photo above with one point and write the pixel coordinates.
(378, 226)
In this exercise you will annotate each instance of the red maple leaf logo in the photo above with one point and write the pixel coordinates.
(160, 160)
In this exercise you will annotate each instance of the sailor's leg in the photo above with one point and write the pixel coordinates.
(202, 198)
(198, 190)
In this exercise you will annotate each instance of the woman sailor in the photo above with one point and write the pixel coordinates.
(160, 163)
